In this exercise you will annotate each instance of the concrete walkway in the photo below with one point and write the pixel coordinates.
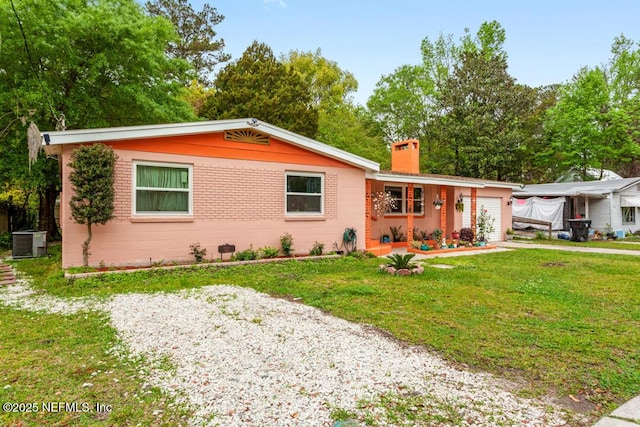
(516, 245)
(627, 415)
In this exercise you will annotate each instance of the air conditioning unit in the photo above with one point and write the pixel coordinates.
(28, 244)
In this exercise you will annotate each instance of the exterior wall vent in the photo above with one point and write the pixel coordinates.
(246, 135)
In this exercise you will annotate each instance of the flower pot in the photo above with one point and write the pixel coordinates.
(424, 247)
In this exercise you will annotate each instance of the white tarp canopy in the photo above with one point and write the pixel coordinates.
(540, 209)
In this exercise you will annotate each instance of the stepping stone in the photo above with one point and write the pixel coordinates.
(6, 282)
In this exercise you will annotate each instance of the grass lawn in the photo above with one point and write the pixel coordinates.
(557, 322)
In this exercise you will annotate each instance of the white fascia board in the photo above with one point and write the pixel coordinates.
(81, 136)
(406, 179)
(319, 147)
(593, 195)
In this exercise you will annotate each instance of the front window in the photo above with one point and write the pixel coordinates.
(162, 188)
(628, 215)
(397, 194)
(304, 193)
(401, 196)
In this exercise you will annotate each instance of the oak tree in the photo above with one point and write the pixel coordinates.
(259, 86)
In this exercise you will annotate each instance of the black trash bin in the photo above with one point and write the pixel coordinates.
(579, 229)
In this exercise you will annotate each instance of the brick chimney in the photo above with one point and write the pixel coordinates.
(405, 156)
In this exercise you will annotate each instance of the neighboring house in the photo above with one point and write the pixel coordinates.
(246, 182)
(574, 175)
(613, 202)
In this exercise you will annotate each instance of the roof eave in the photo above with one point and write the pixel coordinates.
(57, 138)
(416, 179)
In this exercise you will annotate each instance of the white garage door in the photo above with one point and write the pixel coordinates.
(494, 207)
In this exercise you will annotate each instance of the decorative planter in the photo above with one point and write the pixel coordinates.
(424, 248)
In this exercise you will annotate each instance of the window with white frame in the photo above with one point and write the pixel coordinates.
(162, 188)
(400, 193)
(304, 193)
(628, 215)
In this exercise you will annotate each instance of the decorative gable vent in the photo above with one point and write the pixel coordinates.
(246, 135)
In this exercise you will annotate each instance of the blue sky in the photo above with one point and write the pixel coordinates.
(546, 41)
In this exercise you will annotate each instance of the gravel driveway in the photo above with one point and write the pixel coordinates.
(243, 358)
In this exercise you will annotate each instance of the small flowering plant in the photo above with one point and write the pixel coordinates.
(383, 202)
(484, 225)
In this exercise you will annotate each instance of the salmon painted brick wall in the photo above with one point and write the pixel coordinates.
(236, 201)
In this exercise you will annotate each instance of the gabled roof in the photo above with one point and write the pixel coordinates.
(435, 179)
(52, 139)
(588, 188)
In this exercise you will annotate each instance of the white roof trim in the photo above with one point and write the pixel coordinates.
(416, 179)
(178, 129)
(593, 195)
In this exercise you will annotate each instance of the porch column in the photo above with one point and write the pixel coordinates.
(586, 206)
(443, 212)
(409, 214)
(474, 207)
(367, 214)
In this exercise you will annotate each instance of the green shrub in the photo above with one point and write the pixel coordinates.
(269, 252)
(401, 261)
(540, 235)
(197, 252)
(317, 249)
(5, 240)
(246, 255)
(286, 244)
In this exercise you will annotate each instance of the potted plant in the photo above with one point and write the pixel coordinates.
(438, 202)
(396, 234)
(509, 234)
(437, 237)
(460, 203)
(485, 226)
(455, 235)
(466, 235)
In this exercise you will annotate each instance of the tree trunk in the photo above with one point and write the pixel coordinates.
(85, 246)
(46, 213)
